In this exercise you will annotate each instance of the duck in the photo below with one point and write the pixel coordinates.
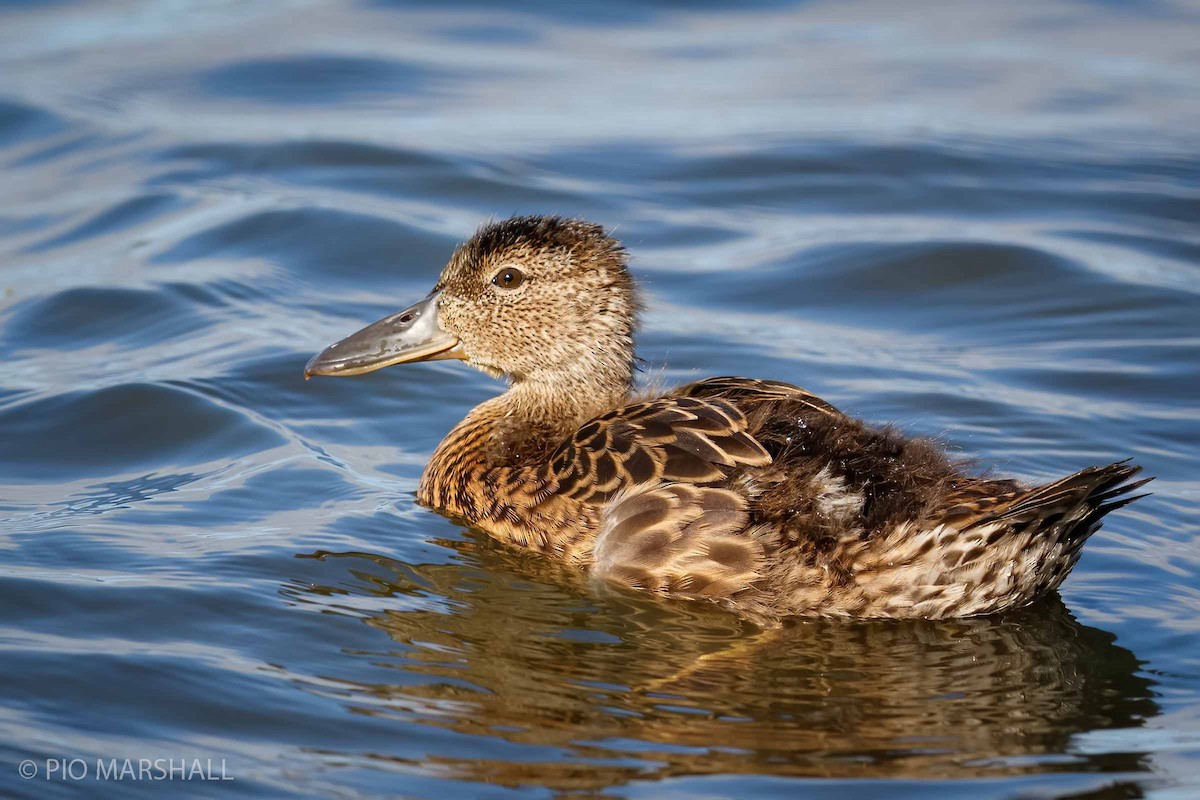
(751, 494)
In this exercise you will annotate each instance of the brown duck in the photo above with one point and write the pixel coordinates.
(752, 494)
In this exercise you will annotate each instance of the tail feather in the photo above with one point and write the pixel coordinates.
(1092, 488)
(1111, 492)
(1058, 518)
(1070, 509)
(1103, 499)
(1018, 545)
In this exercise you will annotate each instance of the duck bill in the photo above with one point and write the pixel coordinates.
(409, 335)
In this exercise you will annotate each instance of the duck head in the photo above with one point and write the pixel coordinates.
(539, 300)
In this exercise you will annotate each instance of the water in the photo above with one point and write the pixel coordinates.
(976, 220)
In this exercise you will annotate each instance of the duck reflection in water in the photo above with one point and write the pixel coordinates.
(504, 644)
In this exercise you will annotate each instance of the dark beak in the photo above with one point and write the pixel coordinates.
(409, 335)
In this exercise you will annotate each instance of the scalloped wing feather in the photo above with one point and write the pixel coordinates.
(678, 539)
(668, 440)
(735, 389)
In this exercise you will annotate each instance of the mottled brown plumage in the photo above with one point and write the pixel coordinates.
(753, 494)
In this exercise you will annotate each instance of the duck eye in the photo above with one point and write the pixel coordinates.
(509, 278)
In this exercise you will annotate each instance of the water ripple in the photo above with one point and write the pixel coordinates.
(320, 79)
(145, 425)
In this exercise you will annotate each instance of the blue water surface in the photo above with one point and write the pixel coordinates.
(979, 221)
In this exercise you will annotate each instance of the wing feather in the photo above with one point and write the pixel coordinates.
(671, 439)
(679, 539)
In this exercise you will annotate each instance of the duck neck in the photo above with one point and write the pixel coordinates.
(513, 432)
(557, 408)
